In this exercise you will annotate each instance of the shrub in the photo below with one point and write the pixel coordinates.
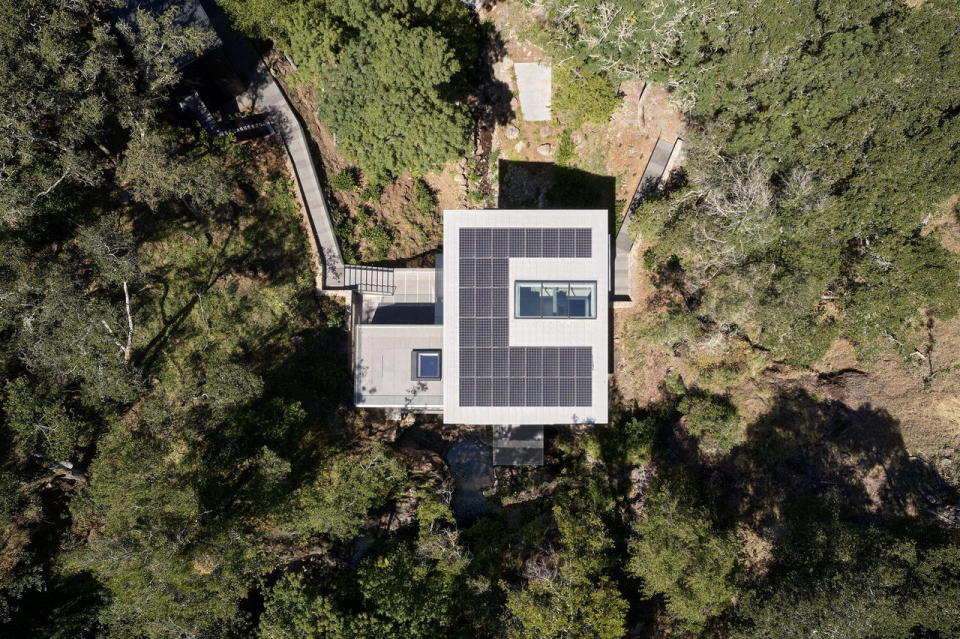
(565, 149)
(713, 419)
(424, 197)
(379, 238)
(583, 96)
(345, 180)
(372, 192)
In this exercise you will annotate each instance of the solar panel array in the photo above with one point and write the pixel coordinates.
(493, 373)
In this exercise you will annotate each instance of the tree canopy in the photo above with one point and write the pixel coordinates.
(391, 78)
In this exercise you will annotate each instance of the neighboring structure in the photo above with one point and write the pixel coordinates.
(188, 13)
(510, 329)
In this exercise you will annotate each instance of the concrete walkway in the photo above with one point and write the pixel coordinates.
(265, 93)
(652, 179)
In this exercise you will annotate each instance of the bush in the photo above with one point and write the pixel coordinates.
(379, 238)
(582, 96)
(424, 197)
(713, 419)
(630, 438)
(565, 149)
(345, 180)
(675, 327)
(372, 192)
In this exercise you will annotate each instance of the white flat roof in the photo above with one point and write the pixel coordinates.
(384, 376)
(500, 383)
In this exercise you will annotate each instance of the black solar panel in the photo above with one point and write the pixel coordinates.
(584, 361)
(568, 243)
(534, 240)
(468, 359)
(534, 391)
(500, 243)
(517, 243)
(484, 306)
(467, 242)
(484, 391)
(492, 373)
(551, 395)
(483, 362)
(468, 395)
(517, 362)
(550, 242)
(500, 394)
(483, 242)
(551, 361)
(534, 362)
(584, 384)
(501, 331)
(583, 243)
(501, 362)
(501, 272)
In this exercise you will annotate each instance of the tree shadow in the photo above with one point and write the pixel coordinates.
(491, 103)
(804, 452)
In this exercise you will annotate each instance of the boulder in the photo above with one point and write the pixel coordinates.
(511, 132)
(545, 150)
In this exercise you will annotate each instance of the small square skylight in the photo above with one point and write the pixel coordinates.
(426, 364)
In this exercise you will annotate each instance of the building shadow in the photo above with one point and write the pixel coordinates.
(490, 105)
(541, 185)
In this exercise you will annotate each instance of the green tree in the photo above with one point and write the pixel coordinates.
(681, 554)
(582, 96)
(157, 167)
(385, 99)
(40, 424)
(570, 593)
(394, 594)
(712, 418)
(337, 502)
(838, 579)
(391, 77)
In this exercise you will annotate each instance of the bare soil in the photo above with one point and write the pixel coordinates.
(620, 147)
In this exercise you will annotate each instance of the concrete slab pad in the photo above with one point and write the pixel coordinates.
(535, 83)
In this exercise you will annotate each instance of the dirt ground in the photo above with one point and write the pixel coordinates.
(620, 148)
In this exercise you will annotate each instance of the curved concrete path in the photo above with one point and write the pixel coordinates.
(265, 93)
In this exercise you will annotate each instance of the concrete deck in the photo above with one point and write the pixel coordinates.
(534, 82)
(518, 445)
(652, 176)
(413, 299)
(383, 376)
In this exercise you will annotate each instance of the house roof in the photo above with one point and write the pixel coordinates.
(384, 374)
(500, 369)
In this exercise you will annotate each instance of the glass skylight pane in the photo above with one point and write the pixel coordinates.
(563, 300)
(428, 365)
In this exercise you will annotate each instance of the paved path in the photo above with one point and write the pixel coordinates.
(654, 173)
(264, 92)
